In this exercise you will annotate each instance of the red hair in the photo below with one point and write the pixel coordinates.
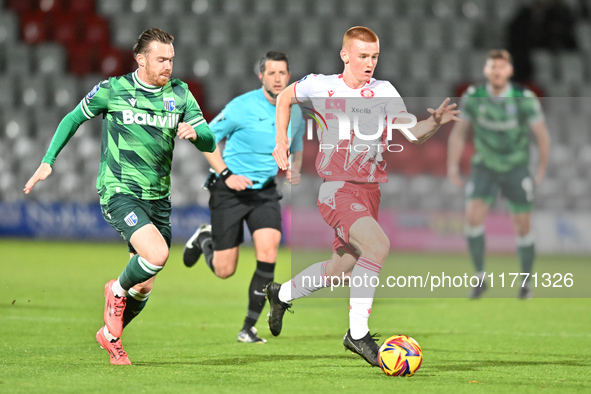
(361, 33)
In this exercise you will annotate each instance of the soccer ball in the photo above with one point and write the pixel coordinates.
(400, 356)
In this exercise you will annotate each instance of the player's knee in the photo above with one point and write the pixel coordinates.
(268, 256)
(382, 249)
(224, 272)
(378, 250)
(157, 257)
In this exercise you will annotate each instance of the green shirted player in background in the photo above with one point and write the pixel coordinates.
(142, 113)
(502, 116)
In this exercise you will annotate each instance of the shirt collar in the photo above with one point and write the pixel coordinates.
(145, 86)
(504, 93)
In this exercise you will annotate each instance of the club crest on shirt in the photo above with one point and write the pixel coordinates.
(358, 207)
(131, 219)
(169, 104)
(367, 93)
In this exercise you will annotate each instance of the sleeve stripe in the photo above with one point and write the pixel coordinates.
(87, 110)
(84, 110)
(196, 122)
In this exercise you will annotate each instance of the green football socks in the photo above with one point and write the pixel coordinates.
(476, 245)
(138, 270)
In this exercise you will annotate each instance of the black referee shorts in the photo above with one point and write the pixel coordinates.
(230, 208)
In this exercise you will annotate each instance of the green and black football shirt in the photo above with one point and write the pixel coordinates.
(139, 128)
(501, 125)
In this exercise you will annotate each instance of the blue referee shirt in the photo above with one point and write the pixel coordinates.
(248, 125)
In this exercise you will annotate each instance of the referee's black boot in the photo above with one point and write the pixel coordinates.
(193, 249)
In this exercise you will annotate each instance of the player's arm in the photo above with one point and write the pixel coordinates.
(195, 128)
(298, 129)
(91, 105)
(222, 126)
(455, 146)
(540, 131)
(424, 129)
(282, 117)
(294, 172)
(233, 181)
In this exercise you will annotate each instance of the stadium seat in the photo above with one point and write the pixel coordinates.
(114, 61)
(83, 7)
(420, 65)
(19, 59)
(95, 30)
(418, 9)
(17, 124)
(450, 66)
(113, 8)
(265, 8)
(386, 10)
(355, 7)
(329, 9)
(200, 7)
(502, 11)
(583, 32)
(281, 32)
(571, 68)
(50, 58)
(239, 61)
(235, 7)
(330, 63)
(125, 29)
(221, 29)
(8, 29)
(461, 34)
(298, 9)
(34, 91)
(434, 34)
(23, 6)
(336, 30)
(176, 8)
(402, 34)
(34, 27)
(82, 59)
(45, 122)
(309, 32)
(66, 30)
(299, 62)
(8, 89)
(545, 70)
(144, 7)
(475, 65)
(65, 92)
(394, 190)
(252, 29)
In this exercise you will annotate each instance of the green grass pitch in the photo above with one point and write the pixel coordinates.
(51, 301)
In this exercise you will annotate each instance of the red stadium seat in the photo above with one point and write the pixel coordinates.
(95, 30)
(34, 27)
(53, 6)
(65, 30)
(82, 7)
(112, 61)
(81, 59)
(23, 6)
(434, 155)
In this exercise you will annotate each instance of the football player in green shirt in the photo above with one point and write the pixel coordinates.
(502, 116)
(142, 114)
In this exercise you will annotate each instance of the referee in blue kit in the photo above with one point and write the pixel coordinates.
(244, 187)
